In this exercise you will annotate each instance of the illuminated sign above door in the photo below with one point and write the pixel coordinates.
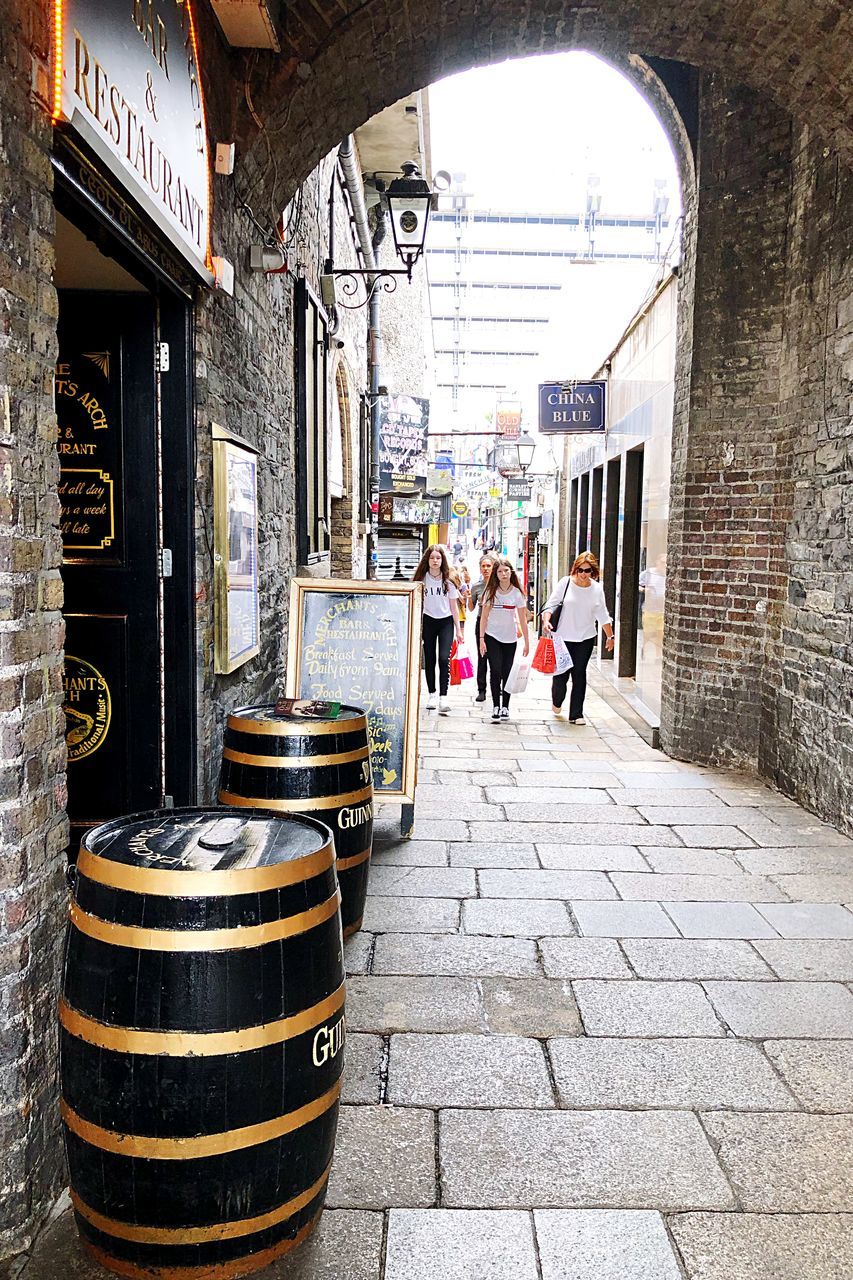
(126, 78)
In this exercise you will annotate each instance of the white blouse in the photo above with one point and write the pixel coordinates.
(582, 608)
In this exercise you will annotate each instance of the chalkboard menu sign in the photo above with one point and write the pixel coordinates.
(359, 643)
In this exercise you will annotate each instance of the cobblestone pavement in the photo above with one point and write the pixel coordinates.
(600, 1024)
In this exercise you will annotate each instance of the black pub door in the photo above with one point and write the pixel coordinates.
(109, 487)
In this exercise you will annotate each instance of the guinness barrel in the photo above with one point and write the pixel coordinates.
(303, 760)
(201, 1027)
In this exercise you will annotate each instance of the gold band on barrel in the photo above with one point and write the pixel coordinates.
(344, 864)
(199, 1235)
(215, 1271)
(207, 1144)
(298, 728)
(304, 804)
(180, 1044)
(200, 884)
(294, 762)
(252, 935)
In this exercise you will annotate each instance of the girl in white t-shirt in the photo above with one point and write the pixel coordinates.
(440, 622)
(503, 601)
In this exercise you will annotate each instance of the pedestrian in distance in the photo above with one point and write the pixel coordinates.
(486, 565)
(580, 600)
(503, 604)
(440, 623)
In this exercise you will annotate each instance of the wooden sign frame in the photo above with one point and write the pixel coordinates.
(300, 589)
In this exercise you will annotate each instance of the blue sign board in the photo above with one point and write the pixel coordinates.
(571, 408)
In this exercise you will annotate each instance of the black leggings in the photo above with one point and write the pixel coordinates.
(482, 660)
(501, 656)
(581, 651)
(437, 632)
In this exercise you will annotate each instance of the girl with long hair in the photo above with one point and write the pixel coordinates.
(487, 563)
(440, 623)
(503, 601)
(580, 598)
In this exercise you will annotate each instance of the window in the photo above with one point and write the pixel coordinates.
(312, 428)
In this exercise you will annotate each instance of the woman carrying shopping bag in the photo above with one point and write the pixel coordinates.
(440, 623)
(570, 614)
(503, 602)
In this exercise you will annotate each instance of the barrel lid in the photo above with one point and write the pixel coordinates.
(207, 839)
(290, 710)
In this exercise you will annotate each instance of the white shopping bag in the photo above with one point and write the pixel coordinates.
(516, 681)
(562, 656)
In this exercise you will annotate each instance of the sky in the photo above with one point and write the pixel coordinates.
(527, 134)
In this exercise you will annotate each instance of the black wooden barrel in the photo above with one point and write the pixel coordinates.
(202, 1027)
(302, 760)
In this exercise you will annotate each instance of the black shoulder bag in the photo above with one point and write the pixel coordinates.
(555, 613)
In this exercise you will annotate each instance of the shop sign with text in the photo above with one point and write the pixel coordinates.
(518, 490)
(403, 429)
(569, 408)
(508, 420)
(127, 80)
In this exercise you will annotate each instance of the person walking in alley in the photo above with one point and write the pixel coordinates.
(440, 623)
(476, 597)
(502, 603)
(571, 612)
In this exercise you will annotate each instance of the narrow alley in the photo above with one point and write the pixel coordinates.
(600, 1024)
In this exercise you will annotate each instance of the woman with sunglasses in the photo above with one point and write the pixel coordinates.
(580, 597)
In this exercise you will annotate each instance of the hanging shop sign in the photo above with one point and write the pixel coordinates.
(508, 420)
(126, 79)
(403, 429)
(414, 509)
(460, 509)
(360, 643)
(572, 408)
(518, 490)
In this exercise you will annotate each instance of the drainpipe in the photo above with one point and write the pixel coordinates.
(369, 247)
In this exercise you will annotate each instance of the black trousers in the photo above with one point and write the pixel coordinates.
(482, 659)
(501, 657)
(581, 651)
(437, 634)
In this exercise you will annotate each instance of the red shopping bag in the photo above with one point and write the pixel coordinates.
(455, 673)
(544, 659)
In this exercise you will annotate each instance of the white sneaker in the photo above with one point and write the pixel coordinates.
(431, 702)
(443, 706)
(496, 713)
(504, 713)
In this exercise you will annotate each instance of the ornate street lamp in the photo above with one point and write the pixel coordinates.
(526, 446)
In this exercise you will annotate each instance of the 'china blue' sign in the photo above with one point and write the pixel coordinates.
(568, 408)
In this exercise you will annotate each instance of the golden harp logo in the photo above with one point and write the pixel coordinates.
(87, 707)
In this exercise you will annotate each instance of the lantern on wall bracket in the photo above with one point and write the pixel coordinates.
(407, 200)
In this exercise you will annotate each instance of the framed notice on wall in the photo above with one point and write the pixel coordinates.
(360, 643)
(235, 552)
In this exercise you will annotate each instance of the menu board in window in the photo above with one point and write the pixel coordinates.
(359, 643)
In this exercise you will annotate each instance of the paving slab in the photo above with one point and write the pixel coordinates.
(362, 1080)
(459, 1244)
(411, 915)
(829, 960)
(494, 855)
(713, 836)
(384, 1004)
(753, 1246)
(468, 1071)
(422, 882)
(645, 1009)
(691, 1074)
(411, 853)
(707, 815)
(578, 833)
(439, 829)
(454, 954)
(809, 920)
(786, 1163)
(341, 1233)
(591, 857)
(659, 797)
(690, 862)
(437, 810)
(779, 835)
(720, 920)
(545, 884)
(580, 810)
(769, 862)
(576, 797)
(817, 887)
(538, 1007)
(583, 958)
(694, 958)
(384, 1156)
(623, 920)
(590, 1159)
(595, 776)
(767, 1010)
(604, 1244)
(696, 888)
(819, 1072)
(526, 918)
(357, 952)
